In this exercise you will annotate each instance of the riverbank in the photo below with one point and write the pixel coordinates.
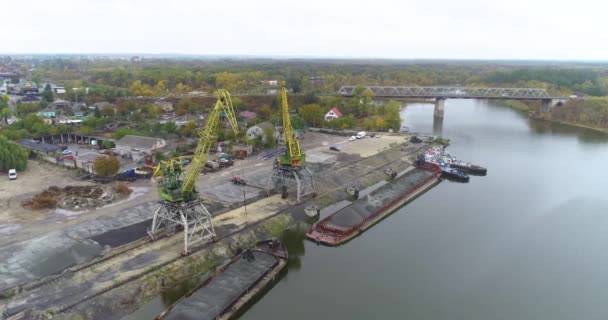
(533, 113)
(567, 123)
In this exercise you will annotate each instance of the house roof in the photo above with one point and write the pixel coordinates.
(29, 98)
(248, 114)
(138, 142)
(101, 104)
(39, 146)
(336, 111)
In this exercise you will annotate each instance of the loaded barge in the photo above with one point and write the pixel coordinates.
(224, 294)
(363, 213)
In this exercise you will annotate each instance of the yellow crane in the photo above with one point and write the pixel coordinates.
(180, 203)
(293, 155)
(290, 166)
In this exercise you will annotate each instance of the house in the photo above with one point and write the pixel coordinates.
(166, 106)
(47, 113)
(87, 161)
(258, 130)
(60, 104)
(137, 147)
(270, 82)
(332, 114)
(100, 105)
(248, 115)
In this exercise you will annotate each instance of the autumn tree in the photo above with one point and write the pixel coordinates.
(312, 114)
(265, 112)
(106, 166)
(229, 81)
(183, 88)
(107, 111)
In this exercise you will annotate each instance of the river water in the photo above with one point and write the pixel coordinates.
(527, 241)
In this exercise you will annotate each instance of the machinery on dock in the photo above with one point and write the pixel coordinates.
(180, 205)
(290, 166)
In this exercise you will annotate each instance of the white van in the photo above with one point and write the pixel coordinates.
(12, 174)
(360, 135)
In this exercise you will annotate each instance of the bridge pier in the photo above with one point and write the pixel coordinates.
(439, 107)
(547, 105)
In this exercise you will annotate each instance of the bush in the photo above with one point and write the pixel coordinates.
(122, 188)
(44, 201)
(106, 166)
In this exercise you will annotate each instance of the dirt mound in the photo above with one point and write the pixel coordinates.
(77, 198)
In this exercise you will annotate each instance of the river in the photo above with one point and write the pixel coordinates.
(527, 241)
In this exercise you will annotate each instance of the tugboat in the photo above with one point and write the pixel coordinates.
(446, 170)
(454, 174)
(469, 167)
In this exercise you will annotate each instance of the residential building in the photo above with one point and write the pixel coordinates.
(30, 99)
(258, 130)
(332, 114)
(137, 147)
(100, 105)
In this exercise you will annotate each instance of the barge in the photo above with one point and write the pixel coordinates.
(224, 294)
(363, 213)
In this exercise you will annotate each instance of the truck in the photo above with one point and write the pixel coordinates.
(360, 135)
(12, 174)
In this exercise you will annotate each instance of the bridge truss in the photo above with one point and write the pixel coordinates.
(450, 92)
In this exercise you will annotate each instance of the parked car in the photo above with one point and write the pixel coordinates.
(334, 148)
(66, 152)
(352, 138)
(12, 174)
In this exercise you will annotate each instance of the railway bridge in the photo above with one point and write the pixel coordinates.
(440, 94)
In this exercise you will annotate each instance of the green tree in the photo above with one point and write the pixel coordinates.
(119, 133)
(12, 156)
(47, 94)
(5, 113)
(106, 166)
(269, 138)
(3, 101)
(97, 112)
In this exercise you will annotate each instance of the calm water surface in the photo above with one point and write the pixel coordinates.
(528, 241)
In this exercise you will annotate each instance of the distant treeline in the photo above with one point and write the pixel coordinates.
(110, 78)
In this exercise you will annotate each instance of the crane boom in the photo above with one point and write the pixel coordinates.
(293, 154)
(178, 185)
(208, 137)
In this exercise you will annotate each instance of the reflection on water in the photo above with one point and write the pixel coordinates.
(293, 239)
(438, 126)
(584, 135)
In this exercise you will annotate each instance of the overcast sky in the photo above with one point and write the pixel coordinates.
(465, 29)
